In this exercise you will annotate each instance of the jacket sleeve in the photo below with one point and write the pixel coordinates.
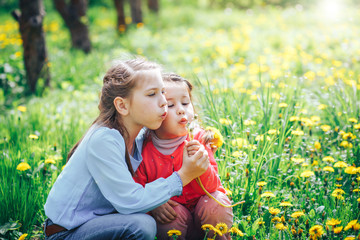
(106, 164)
(210, 179)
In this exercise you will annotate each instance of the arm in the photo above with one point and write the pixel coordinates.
(210, 179)
(106, 163)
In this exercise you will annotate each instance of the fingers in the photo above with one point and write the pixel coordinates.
(165, 213)
(172, 203)
(192, 143)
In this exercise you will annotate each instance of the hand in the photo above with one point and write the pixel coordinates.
(192, 147)
(165, 213)
(193, 166)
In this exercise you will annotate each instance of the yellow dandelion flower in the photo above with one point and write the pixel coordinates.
(325, 128)
(23, 166)
(315, 118)
(174, 232)
(305, 164)
(261, 222)
(23, 236)
(236, 231)
(356, 227)
(218, 139)
(351, 170)
(249, 122)
(353, 120)
(275, 219)
(50, 161)
(222, 227)
(297, 132)
(340, 164)
(225, 121)
(322, 106)
(285, 204)
(21, 108)
(333, 222)
(217, 231)
(328, 159)
(357, 126)
(297, 214)
(283, 105)
(317, 145)
(274, 211)
(316, 231)
(358, 200)
(281, 226)
(350, 225)
(307, 174)
(297, 160)
(337, 230)
(273, 132)
(33, 136)
(207, 227)
(328, 169)
(294, 119)
(239, 142)
(238, 154)
(338, 191)
(267, 194)
(261, 184)
(315, 163)
(349, 238)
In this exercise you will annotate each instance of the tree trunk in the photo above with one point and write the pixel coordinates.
(153, 5)
(136, 13)
(121, 25)
(31, 29)
(74, 15)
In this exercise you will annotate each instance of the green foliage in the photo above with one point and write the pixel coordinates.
(268, 79)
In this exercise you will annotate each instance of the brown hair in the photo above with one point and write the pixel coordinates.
(172, 77)
(119, 81)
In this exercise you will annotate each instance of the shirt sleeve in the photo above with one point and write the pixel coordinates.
(106, 163)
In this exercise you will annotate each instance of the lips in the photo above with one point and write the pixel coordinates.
(164, 115)
(183, 121)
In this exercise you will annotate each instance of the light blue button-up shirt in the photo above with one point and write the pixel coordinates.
(96, 181)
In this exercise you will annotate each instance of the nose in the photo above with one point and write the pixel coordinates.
(180, 110)
(163, 101)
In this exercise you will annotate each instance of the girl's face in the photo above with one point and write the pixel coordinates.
(180, 111)
(148, 104)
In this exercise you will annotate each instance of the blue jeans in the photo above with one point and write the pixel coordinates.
(112, 226)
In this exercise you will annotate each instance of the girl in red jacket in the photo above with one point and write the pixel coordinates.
(162, 155)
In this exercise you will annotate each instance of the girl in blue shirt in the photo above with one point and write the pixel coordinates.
(95, 196)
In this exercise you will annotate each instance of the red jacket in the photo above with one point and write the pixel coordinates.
(157, 165)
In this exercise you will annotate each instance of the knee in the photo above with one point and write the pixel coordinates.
(210, 211)
(147, 228)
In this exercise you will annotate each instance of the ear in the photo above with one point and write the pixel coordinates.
(121, 105)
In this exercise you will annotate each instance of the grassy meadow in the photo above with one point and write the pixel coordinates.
(282, 85)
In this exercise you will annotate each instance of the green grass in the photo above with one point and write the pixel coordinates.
(243, 64)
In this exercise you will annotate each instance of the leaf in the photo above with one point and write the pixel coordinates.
(255, 227)
(312, 213)
(9, 226)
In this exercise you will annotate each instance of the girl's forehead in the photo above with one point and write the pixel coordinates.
(177, 85)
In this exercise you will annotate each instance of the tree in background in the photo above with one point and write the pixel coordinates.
(136, 12)
(30, 19)
(74, 15)
(153, 5)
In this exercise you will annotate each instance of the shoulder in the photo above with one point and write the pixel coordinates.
(102, 136)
